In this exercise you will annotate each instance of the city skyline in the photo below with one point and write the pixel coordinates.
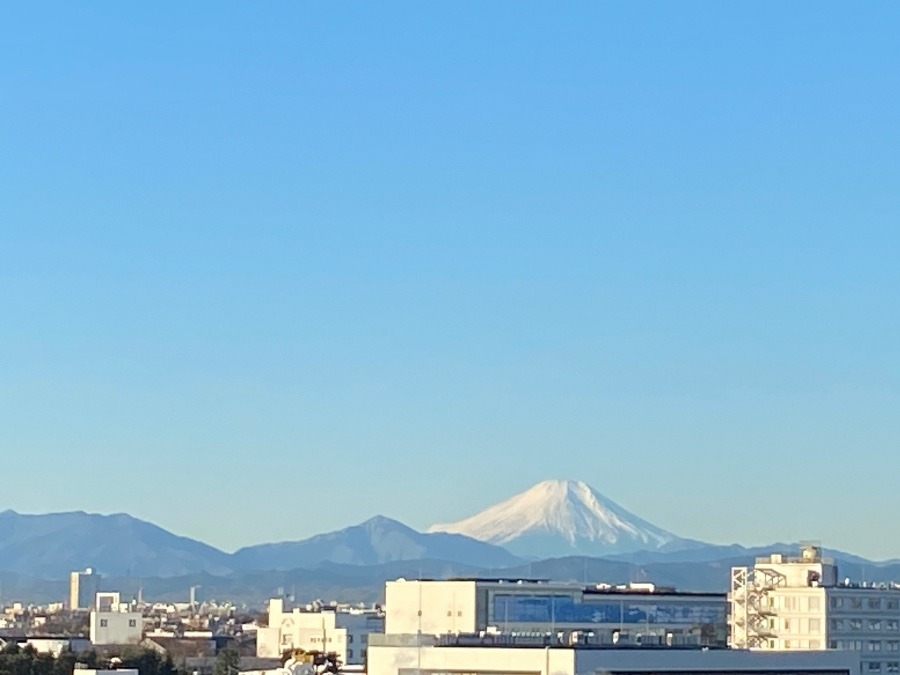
(268, 271)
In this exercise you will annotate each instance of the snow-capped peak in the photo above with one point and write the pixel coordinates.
(560, 517)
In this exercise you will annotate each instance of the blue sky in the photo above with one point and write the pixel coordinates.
(268, 269)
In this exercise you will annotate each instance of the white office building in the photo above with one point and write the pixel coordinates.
(113, 623)
(344, 632)
(630, 614)
(800, 603)
(500, 627)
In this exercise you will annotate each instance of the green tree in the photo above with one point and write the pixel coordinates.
(228, 662)
(43, 664)
(147, 661)
(64, 663)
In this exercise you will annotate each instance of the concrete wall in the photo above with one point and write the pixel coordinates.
(116, 628)
(427, 660)
(384, 660)
(430, 607)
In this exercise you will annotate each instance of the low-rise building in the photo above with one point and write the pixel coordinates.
(542, 655)
(345, 632)
(631, 613)
(55, 645)
(113, 622)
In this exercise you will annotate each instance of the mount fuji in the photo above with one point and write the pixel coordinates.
(560, 518)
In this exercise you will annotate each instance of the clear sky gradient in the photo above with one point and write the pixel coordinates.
(268, 269)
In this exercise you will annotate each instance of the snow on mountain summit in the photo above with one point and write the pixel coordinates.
(561, 517)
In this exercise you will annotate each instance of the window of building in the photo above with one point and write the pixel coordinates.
(132, 623)
(349, 639)
(813, 605)
(815, 625)
(874, 667)
(363, 654)
(893, 603)
(893, 666)
(787, 624)
(837, 624)
(874, 624)
(855, 603)
(892, 624)
(814, 644)
(855, 644)
(787, 644)
(837, 603)
(874, 603)
(873, 646)
(855, 624)
(892, 645)
(835, 644)
(349, 653)
(104, 623)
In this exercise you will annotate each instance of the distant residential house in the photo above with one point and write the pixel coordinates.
(191, 654)
(199, 654)
(44, 644)
(55, 645)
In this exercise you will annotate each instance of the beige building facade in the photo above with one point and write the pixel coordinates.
(788, 603)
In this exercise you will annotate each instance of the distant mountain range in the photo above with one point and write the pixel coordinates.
(54, 544)
(562, 530)
(377, 541)
(51, 546)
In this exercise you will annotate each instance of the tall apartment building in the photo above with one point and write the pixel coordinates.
(344, 632)
(630, 613)
(799, 603)
(83, 586)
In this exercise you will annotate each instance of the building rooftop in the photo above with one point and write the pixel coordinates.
(630, 588)
(562, 640)
(486, 580)
(618, 590)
